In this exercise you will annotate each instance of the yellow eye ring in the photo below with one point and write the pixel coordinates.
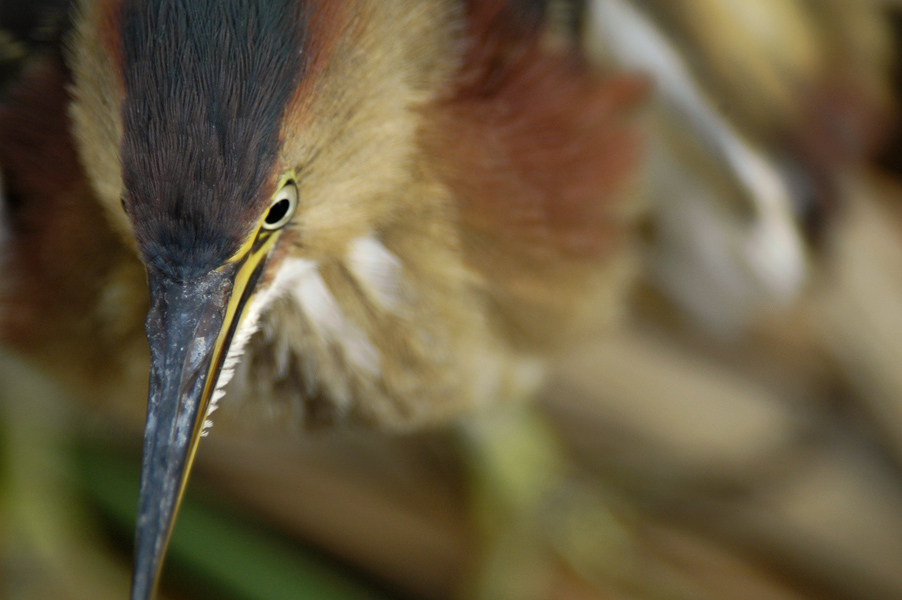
(282, 208)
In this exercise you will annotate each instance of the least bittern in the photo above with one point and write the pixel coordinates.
(376, 212)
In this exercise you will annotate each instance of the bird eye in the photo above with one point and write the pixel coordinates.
(282, 209)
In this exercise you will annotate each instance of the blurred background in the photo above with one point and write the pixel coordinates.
(739, 436)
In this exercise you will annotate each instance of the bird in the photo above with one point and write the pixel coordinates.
(302, 214)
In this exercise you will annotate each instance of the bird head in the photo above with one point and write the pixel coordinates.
(222, 138)
(425, 187)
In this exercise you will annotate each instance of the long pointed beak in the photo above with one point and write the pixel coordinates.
(190, 326)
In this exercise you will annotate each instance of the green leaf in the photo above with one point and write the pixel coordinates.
(223, 550)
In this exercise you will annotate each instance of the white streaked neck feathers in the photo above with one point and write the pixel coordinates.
(376, 270)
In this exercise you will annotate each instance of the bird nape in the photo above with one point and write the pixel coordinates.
(382, 213)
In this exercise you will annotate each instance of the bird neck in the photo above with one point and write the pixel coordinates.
(73, 294)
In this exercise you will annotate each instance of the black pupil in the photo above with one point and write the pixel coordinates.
(278, 211)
